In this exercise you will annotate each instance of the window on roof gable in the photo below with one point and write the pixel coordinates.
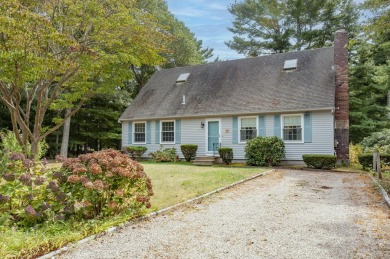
(290, 64)
(183, 78)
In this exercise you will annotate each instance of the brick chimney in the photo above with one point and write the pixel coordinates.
(341, 96)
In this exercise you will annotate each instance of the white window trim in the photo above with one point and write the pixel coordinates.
(302, 126)
(174, 132)
(133, 134)
(239, 127)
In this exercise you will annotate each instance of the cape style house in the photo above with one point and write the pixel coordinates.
(301, 97)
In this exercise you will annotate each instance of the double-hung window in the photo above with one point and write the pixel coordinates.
(292, 128)
(139, 133)
(248, 129)
(168, 132)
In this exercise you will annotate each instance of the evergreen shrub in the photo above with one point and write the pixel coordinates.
(319, 161)
(226, 153)
(264, 151)
(189, 151)
(366, 160)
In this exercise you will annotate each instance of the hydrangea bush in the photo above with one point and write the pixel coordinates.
(104, 182)
(27, 195)
(92, 185)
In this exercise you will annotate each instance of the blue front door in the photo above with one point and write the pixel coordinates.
(212, 136)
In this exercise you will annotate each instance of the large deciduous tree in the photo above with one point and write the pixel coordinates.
(56, 54)
(276, 26)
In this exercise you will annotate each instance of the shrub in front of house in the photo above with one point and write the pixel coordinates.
(104, 183)
(264, 151)
(28, 195)
(366, 160)
(136, 152)
(189, 151)
(164, 155)
(319, 161)
(226, 153)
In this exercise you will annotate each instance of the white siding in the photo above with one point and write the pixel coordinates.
(322, 138)
(125, 134)
(192, 133)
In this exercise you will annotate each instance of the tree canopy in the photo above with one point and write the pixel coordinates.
(370, 73)
(276, 26)
(55, 54)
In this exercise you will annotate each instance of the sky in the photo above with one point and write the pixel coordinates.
(209, 20)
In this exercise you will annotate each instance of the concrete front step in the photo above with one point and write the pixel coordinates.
(203, 163)
(204, 160)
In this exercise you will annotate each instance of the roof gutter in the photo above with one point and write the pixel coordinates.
(229, 114)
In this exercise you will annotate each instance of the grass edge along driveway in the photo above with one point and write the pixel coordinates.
(172, 183)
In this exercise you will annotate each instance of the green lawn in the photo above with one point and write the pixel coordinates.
(172, 183)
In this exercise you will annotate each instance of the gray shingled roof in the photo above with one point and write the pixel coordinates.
(244, 86)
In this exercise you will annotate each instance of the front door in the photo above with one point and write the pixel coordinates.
(213, 137)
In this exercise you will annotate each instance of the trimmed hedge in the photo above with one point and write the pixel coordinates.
(189, 151)
(320, 161)
(136, 151)
(226, 153)
(366, 159)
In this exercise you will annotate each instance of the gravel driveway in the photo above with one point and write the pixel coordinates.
(286, 214)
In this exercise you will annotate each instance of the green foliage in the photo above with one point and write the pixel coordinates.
(319, 161)
(264, 151)
(263, 26)
(189, 151)
(10, 143)
(366, 160)
(370, 73)
(354, 152)
(97, 184)
(27, 194)
(136, 152)
(368, 88)
(164, 155)
(105, 183)
(85, 48)
(377, 140)
(226, 153)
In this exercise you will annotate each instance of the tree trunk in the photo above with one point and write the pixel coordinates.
(65, 136)
(34, 149)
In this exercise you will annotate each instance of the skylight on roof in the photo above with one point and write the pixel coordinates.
(290, 64)
(182, 78)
